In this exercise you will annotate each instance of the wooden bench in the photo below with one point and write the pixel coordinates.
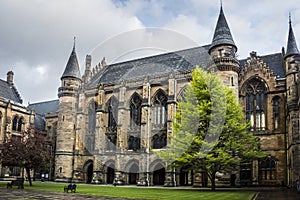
(19, 182)
(71, 187)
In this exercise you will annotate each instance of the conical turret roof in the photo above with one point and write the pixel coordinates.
(72, 67)
(222, 33)
(292, 48)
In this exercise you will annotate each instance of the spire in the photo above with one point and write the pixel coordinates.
(72, 68)
(292, 48)
(222, 33)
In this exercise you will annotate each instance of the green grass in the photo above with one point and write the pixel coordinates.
(143, 192)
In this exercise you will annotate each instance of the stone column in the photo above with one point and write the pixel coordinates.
(145, 135)
(170, 180)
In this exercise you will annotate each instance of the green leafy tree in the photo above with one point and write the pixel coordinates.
(210, 132)
(29, 152)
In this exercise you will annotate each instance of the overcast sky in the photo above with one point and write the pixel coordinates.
(37, 35)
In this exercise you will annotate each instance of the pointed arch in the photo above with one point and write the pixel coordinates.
(160, 108)
(15, 123)
(91, 126)
(112, 110)
(135, 110)
(181, 94)
(255, 101)
(112, 121)
(276, 102)
(20, 124)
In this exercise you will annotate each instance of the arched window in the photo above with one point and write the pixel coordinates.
(91, 128)
(112, 114)
(133, 143)
(276, 112)
(135, 110)
(256, 104)
(20, 124)
(267, 168)
(112, 109)
(160, 108)
(159, 140)
(15, 123)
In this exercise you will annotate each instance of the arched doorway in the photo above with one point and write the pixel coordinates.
(110, 174)
(133, 174)
(159, 175)
(88, 169)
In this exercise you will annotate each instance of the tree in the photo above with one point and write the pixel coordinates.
(30, 152)
(210, 131)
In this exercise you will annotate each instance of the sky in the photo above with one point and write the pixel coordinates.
(37, 36)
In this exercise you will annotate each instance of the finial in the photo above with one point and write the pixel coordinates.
(74, 42)
(290, 18)
(221, 3)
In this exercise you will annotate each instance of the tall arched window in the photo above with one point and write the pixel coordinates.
(135, 110)
(276, 112)
(160, 116)
(91, 128)
(112, 110)
(135, 122)
(160, 108)
(112, 114)
(20, 124)
(15, 123)
(267, 168)
(255, 90)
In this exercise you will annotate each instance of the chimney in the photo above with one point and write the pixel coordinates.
(10, 78)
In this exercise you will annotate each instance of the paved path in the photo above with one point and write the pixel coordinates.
(278, 194)
(12, 194)
(16, 194)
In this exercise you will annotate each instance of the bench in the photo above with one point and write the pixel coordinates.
(19, 182)
(70, 187)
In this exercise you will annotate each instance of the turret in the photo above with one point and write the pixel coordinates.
(291, 59)
(222, 52)
(71, 78)
(68, 102)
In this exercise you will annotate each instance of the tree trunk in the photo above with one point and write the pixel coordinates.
(28, 175)
(213, 181)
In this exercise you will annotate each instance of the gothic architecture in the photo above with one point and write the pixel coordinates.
(107, 122)
(14, 118)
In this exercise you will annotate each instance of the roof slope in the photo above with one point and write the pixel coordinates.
(72, 67)
(178, 61)
(222, 33)
(45, 107)
(292, 48)
(9, 92)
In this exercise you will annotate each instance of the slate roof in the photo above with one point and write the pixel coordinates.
(274, 61)
(46, 107)
(9, 92)
(292, 48)
(72, 68)
(222, 33)
(154, 65)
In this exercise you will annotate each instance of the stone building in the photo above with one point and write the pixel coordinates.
(108, 119)
(14, 118)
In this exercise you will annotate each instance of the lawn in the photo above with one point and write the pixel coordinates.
(143, 192)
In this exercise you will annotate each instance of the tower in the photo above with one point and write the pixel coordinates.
(291, 60)
(66, 127)
(222, 52)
